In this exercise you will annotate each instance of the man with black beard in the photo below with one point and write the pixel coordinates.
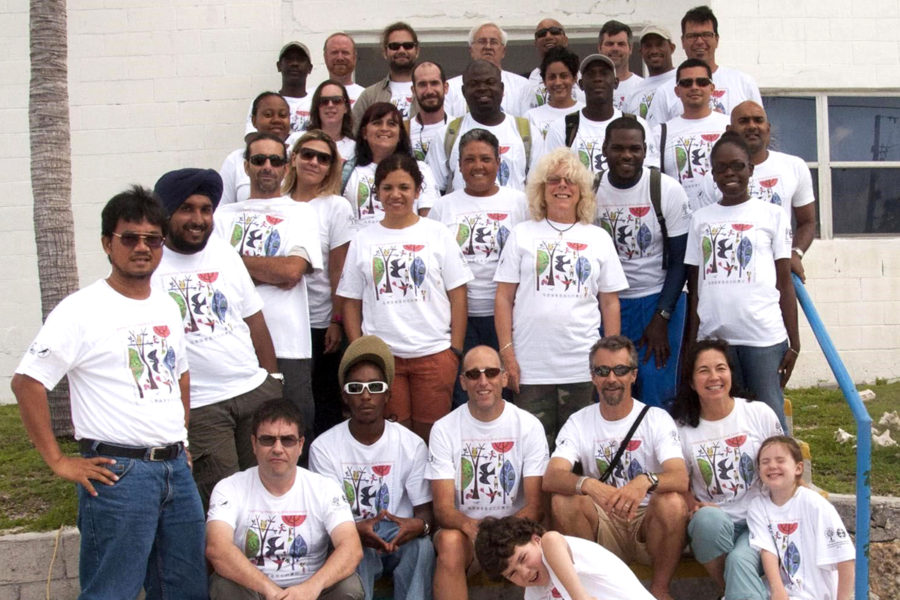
(228, 347)
(430, 88)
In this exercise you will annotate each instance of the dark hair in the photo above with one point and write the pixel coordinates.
(479, 135)
(399, 162)
(686, 406)
(480, 63)
(497, 540)
(700, 14)
(257, 136)
(374, 112)
(624, 123)
(398, 26)
(563, 55)
(793, 447)
(428, 62)
(733, 138)
(277, 410)
(614, 27)
(134, 205)
(254, 108)
(614, 343)
(690, 63)
(315, 121)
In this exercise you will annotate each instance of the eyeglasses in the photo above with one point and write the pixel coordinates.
(688, 82)
(324, 158)
(326, 100)
(397, 45)
(706, 35)
(619, 370)
(358, 387)
(489, 372)
(131, 240)
(488, 42)
(735, 167)
(554, 181)
(288, 441)
(551, 30)
(258, 160)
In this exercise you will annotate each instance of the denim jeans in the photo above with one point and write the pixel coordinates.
(146, 529)
(411, 567)
(712, 534)
(756, 370)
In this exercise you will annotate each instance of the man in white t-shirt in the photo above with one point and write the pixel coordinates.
(295, 65)
(269, 528)
(615, 42)
(380, 465)
(278, 241)
(229, 347)
(121, 343)
(656, 51)
(339, 53)
(549, 33)
(630, 501)
(430, 89)
(485, 459)
(778, 178)
(400, 48)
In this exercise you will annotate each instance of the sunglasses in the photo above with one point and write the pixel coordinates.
(490, 373)
(690, 81)
(551, 30)
(131, 240)
(554, 181)
(326, 100)
(358, 387)
(735, 167)
(397, 45)
(324, 158)
(288, 441)
(619, 370)
(258, 160)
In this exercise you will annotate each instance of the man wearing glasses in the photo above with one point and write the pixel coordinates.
(270, 527)
(121, 342)
(381, 466)
(485, 459)
(278, 241)
(400, 47)
(548, 34)
(629, 502)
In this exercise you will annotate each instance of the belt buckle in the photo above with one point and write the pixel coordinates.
(159, 453)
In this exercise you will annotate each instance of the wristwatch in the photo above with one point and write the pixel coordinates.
(425, 530)
(664, 314)
(654, 481)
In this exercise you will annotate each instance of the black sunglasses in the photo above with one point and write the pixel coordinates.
(545, 30)
(288, 441)
(475, 374)
(735, 166)
(326, 100)
(131, 240)
(690, 81)
(619, 370)
(397, 45)
(324, 158)
(258, 160)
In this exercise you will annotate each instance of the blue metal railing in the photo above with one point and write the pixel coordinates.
(863, 438)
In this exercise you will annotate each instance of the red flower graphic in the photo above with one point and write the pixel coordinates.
(293, 520)
(633, 445)
(710, 137)
(718, 93)
(208, 277)
(576, 246)
(767, 183)
(381, 470)
(788, 528)
(413, 247)
(274, 220)
(503, 447)
(736, 441)
(639, 211)
(504, 149)
(741, 226)
(161, 330)
(497, 216)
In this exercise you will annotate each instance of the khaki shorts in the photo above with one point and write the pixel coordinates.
(623, 537)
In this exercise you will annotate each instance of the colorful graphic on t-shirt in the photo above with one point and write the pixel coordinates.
(788, 546)
(692, 154)
(203, 307)
(366, 202)
(646, 99)
(728, 255)
(486, 474)
(420, 148)
(398, 273)
(628, 467)
(300, 120)
(273, 539)
(403, 103)
(256, 235)
(590, 153)
(152, 361)
(367, 489)
(560, 269)
(481, 236)
(726, 469)
(627, 227)
(716, 100)
(503, 171)
(765, 189)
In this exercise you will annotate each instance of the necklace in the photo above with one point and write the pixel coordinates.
(557, 229)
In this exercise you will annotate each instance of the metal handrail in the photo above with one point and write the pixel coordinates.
(863, 437)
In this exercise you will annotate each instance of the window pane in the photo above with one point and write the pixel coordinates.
(864, 128)
(793, 122)
(866, 200)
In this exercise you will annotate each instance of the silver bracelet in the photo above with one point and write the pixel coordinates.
(580, 483)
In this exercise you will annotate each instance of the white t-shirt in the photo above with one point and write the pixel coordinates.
(721, 455)
(588, 142)
(481, 226)
(809, 539)
(540, 117)
(389, 474)
(781, 179)
(422, 136)
(402, 277)
(299, 107)
(286, 537)
(628, 217)
(515, 88)
(513, 163)
(556, 317)
(536, 95)
(735, 249)
(353, 91)
(625, 90)
(235, 181)
(593, 441)
(365, 207)
(334, 231)
(689, 143)
(601, 572)
(346, 147)
(277, 227)
(487, 461)
(732, 88)
(641, 98)
(215, 294)
(124, 358)
(401, 96)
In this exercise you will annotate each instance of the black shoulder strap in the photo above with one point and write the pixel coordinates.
(656, 201)
(662, 147)
(618, 456)
(572, 120)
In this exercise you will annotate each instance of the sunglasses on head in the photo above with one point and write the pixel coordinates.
(545, 30)
(690, 81)
(258, 160)
(397, 45)
(131, 240)
(288, 441)
(489, 372)
(619, 370)
(324, 158)
(326, 100)
(358, 387)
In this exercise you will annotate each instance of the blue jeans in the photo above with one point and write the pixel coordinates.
(146, 529)
(654, 386)
(712, 534)
(411, 567)
(480, 331)
(756, 370)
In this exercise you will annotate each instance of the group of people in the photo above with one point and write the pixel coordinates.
(377, 268)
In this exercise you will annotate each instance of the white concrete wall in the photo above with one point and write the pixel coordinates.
(157, 85)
